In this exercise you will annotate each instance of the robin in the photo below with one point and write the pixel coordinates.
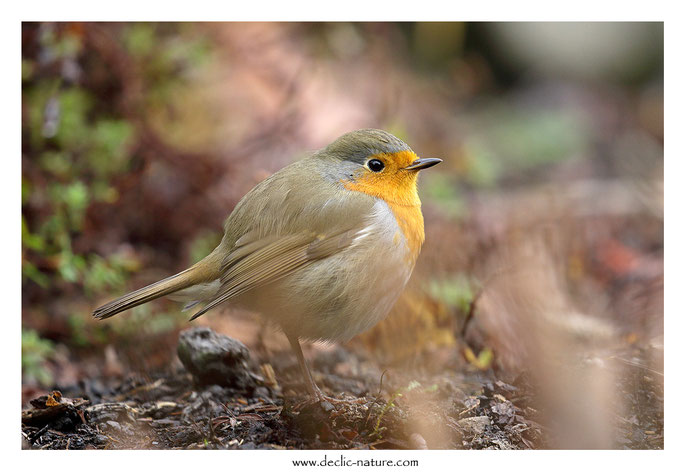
(322, 248)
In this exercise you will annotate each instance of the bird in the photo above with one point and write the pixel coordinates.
(322, 248)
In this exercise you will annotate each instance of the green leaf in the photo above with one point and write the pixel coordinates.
(26, 190)
(140, 38)
(31, 272)
(73, 132)
(28, 240)
(76, 196)
(110, 146)
(27, 69)
(67, 268)
(69, 45)
(34, 353)
(57, 163)
(455, 291)
(104, 274)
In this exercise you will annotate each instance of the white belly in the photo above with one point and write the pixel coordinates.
(343, 295)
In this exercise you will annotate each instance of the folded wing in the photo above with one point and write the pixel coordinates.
(297, 225)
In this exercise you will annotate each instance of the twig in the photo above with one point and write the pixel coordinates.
(636, 364)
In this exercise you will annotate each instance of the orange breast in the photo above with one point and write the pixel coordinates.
(411, 223)
(398, 189)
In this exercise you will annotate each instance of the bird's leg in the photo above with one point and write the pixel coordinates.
(317, 394)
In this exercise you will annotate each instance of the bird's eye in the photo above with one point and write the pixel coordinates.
(375, 165)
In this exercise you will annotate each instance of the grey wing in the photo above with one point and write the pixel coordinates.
(270, 260)
(270, 248)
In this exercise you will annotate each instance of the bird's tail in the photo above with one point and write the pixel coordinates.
(204, 271)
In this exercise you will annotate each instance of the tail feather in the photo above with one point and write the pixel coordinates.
(202, 272)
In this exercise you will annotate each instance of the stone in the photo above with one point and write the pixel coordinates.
(475, 424)
(213, 358)
(114, 425)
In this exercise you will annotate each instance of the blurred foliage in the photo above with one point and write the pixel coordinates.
(442, 191)
(203, 244)
(78, 145)
(76, 153)
(511, 140)
(483, 361)
(455, 291)
(35, 351)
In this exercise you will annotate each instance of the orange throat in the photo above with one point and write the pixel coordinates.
(398, 188)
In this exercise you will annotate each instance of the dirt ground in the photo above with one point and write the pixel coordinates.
(395, 409)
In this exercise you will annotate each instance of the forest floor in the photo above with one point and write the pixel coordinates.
(174, 409)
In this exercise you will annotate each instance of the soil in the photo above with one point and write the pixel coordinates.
(405, 409)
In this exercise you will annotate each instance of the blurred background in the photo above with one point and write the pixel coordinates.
(544, 225)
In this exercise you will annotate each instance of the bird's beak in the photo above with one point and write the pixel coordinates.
(423, 163)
